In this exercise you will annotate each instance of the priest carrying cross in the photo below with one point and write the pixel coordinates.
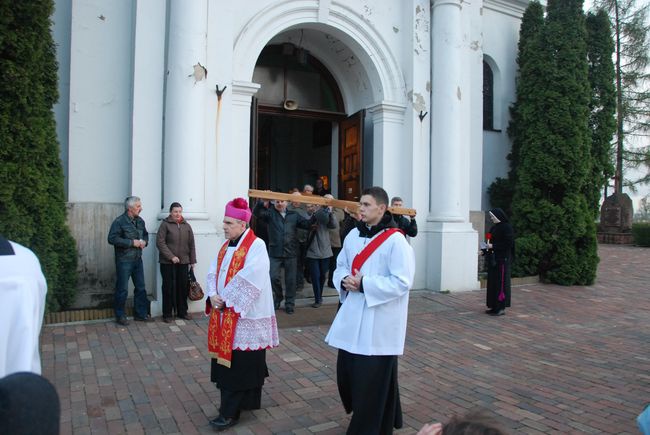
(242, 318)
(374, 273)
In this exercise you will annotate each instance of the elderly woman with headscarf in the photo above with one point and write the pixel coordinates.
(499, 254)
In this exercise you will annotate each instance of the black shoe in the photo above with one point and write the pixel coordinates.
(122, 321)
(167, 319)
(315, 305)
(142, 319)
(221, 423)
(490, 311)
(289, 310)
(498, 313)
(185, 316)
(276, 305)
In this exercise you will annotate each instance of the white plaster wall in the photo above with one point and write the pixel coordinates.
(475, 132)
(101, 50)
(500, 37)
(61, 21)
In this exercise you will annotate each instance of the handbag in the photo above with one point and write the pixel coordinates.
(195, 292)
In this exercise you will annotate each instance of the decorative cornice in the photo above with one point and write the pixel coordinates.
(243, 91)
(387, 111)
(514, 8)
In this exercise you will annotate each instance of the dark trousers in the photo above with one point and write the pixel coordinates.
(289, 265)
(318, 269)
(233, 402)
(330, 276)
(135, 271)
(300, 266)
(369, 390)
(174, 289)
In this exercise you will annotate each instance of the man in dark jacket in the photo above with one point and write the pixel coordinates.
(409, 226)
(283, 248)
(129, 236)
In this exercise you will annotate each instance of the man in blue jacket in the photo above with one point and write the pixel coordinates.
(129, 236)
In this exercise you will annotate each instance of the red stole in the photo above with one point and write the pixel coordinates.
(222, 324)
(366, 252)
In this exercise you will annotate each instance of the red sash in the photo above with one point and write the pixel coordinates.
(366, 252)
(222, 324)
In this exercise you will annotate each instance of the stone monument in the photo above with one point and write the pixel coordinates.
(616, 220)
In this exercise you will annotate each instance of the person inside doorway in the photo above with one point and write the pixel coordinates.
(319, 188)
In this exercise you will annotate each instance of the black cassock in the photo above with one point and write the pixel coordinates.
(498, 261)
(241, 384)
(369, 390)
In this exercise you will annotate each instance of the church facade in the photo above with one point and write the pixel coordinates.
(198, 101)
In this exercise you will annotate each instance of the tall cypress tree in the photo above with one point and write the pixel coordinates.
(32, 206)
(602, 118)
(530, 69)
(631, 28)
(557, 233)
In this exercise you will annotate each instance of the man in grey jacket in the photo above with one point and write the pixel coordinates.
(319, 248)
(283, 248)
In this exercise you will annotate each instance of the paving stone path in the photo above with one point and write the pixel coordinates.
(562, 360)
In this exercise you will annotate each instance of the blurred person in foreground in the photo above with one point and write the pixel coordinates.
(23, 289)
(29, 404)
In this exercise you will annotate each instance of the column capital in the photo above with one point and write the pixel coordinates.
(243, 91)
(457, 3)
(387, 111)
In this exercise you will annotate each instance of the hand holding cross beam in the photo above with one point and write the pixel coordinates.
(319, 200)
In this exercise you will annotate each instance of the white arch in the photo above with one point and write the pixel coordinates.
(367, 44)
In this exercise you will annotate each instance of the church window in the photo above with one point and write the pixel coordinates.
(488, 97)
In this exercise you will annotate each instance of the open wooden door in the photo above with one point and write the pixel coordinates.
(350, 146)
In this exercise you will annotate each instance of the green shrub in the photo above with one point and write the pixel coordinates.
(641, 233)
(32, 202)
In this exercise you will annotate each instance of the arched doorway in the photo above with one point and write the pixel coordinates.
(300, 130)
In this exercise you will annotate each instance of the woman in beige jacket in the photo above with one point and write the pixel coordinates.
(175, 242)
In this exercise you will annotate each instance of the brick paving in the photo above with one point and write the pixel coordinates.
(563, 360)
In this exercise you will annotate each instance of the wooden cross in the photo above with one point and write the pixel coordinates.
(319, 200)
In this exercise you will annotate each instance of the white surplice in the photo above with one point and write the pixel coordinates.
(249, 293)
(22, 290)
(374, 322)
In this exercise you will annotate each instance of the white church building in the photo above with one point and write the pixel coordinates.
(196, 101)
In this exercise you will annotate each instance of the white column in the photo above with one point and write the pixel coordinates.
(147, 129)
(147, 121)
(185, 118)
(390, 162)
(452, 264)
(446, 136)
(233, 158)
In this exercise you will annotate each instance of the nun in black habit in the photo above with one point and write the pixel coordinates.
(499, 255)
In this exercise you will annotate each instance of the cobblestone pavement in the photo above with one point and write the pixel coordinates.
(563, 360)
